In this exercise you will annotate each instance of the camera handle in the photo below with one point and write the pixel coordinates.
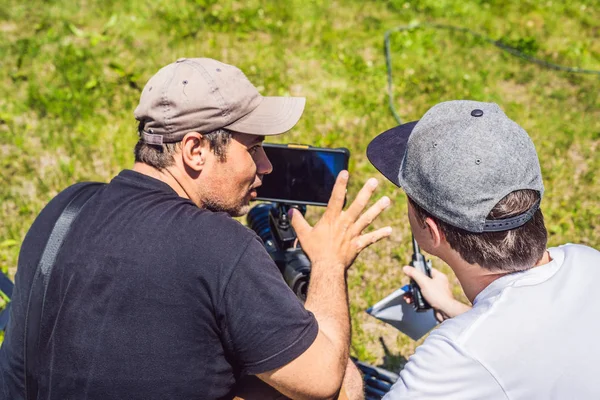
(291, 260)
(280, 224)
(419, 262)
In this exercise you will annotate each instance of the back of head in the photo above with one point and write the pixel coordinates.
(476, 172)
(510, 250)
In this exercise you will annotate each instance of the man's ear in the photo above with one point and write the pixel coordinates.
(194, 150)
(435, 232)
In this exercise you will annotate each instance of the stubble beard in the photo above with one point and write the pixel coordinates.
(237, 210)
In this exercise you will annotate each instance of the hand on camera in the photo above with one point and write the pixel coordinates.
(337, 238)
(437, 292)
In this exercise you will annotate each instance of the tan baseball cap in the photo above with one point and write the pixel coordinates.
(203, 95)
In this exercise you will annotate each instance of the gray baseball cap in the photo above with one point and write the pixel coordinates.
(459, 161)
(203, 95)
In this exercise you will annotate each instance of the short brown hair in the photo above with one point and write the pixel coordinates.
(161, 156)
(513, 250)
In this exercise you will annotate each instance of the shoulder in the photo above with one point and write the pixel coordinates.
(219, 226)
(212, 239)
(50, 213)
(577, 261)
(64, 197)
(39, 231)
(184, 216)
(577, 251)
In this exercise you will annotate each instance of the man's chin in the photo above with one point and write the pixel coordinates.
(240, 211)
(243, 209)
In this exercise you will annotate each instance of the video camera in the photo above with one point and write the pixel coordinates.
(302, 176)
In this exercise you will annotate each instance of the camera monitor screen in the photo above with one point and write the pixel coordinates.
(301, 174)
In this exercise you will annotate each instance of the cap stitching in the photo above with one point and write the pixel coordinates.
(165, 102)
(213, 86)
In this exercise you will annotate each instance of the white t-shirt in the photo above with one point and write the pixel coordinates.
(530, 335)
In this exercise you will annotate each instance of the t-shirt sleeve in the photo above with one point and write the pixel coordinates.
(265, 325)
(440, 369)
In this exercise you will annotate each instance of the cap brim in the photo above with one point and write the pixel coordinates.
(387, 150)
(274, 115)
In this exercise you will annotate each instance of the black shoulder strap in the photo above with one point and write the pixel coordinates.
(6, 287)
(37, 294)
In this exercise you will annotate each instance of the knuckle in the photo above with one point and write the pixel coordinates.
(367, 217)
(371, 218)
(357, 244)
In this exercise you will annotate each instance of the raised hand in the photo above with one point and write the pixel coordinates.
(337, 238)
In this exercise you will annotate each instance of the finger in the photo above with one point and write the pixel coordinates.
(439, 316)
(417, 275)
(369, 216)
(372, 237)
(407, 298)
(299, 224)
(439, 275)
(362, 199)
(336, 201)
(436, 272)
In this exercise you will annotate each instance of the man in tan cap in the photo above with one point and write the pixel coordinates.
(157, 293)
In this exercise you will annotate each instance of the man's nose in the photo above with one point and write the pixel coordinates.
(263, 165)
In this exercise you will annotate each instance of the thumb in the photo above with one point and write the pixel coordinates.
(299, 224)
(417, 275)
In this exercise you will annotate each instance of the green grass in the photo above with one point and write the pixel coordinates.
(71, 74)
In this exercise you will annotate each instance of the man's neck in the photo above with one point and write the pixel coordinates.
(474, 278)
(165, 176)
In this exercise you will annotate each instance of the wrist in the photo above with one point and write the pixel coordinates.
(330, 266)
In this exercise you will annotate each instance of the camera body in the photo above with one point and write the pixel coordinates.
(302, 175)
(271, 223)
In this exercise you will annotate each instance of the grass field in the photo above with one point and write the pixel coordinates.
(71, 73)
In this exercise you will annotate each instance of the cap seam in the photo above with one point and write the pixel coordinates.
(215, 91)
(166, 105)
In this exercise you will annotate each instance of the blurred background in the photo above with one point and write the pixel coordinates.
(71, 73)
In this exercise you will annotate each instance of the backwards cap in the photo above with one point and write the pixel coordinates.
(459, 161)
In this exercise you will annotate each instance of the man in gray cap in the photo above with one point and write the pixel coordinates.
(157, 293)
(474, 186)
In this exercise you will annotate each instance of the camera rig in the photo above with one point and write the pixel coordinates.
(272, 224)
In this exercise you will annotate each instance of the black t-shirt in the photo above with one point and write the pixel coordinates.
(152, 297)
